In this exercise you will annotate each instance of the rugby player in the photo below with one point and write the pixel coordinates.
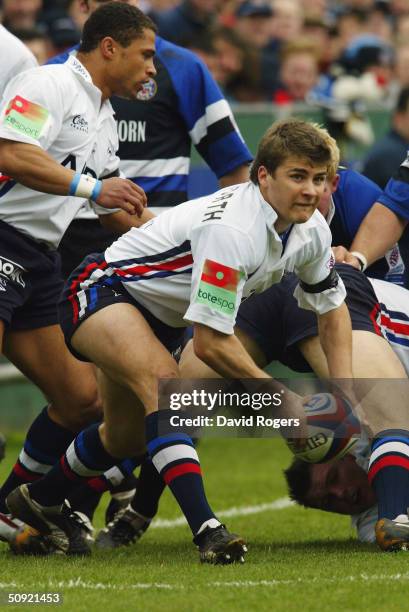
(125, 310)
(56, 122)
(344, 486)
(182, 105)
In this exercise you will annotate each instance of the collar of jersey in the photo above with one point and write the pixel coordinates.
(269, 213)
(301, 231)
(83, 75)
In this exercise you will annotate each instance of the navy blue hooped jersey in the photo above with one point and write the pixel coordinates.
(181, 105)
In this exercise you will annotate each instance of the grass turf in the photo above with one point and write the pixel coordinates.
(298, 559)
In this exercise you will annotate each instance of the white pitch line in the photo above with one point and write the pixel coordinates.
(79, 583)
(278, 504)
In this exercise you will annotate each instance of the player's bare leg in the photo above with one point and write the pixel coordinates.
(68, 385)
(130, 356)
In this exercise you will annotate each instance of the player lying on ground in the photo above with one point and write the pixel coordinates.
(193, 264)
(54, 121)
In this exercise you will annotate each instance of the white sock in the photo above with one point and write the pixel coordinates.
(212, 523)
(402, 518)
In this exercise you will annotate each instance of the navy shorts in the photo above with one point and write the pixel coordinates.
(83, 236)
(275, 322)
(30, 281)
(81, 299)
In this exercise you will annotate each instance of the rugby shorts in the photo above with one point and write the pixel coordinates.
(30, 281)
(83, 236)
(275, 322)
(80, 300)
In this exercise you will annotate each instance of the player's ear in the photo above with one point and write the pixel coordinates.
(262, 175)
(108, 47)
(334, 183)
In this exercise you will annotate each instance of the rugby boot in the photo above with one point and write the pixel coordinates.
(220, 547)
(62, 531)
(126, 528)
(393, 535)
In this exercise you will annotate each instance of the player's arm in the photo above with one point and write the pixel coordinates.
(380, 231)
(224, 353)
(120, 222)
(321, 290)
(335, 334)
(241, 174)
(33, 167)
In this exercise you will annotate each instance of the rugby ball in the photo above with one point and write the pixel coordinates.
(333, 428)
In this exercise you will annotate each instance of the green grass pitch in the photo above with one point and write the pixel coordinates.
(298, 559)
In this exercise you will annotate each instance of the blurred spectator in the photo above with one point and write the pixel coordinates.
(317, 30)
(380, 21)
(287, 20)
(21, 14)
(402, 29)
(350, 23)
(38, 43)
(238, 66)
(63, 33)
(188, 20)
(387, 153)
(254, 22)
(299, 72)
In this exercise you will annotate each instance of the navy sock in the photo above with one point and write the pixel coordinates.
(85, 497)
(85, 457)
(45, 442)
(114, 477)
(389, 472)
(149, 490)
(176, 460)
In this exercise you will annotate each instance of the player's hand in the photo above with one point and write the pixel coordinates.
(292, 407)
(342, 255)
(122, 193)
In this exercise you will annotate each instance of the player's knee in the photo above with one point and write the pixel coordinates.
(77, 413)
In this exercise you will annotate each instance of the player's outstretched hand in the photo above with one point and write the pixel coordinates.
(122, 193)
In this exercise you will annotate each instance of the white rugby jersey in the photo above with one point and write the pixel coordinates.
(57, 108)
(14, 57)
(393, 318)
(196, 262)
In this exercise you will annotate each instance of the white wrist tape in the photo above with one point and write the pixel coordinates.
(85, 186)
(363, 262)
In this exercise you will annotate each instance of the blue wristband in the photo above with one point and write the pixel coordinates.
(96, 191)
(74, 184)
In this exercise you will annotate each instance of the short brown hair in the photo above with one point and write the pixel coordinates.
(290, 138)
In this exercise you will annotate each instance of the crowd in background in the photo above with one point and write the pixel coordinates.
(334, 55)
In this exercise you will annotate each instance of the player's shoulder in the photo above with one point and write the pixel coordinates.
(181, 60)
(61, 58)
(235, 209)
(351, 179)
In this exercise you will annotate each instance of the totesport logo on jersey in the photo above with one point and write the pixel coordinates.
(25, 117)
(218, 287)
